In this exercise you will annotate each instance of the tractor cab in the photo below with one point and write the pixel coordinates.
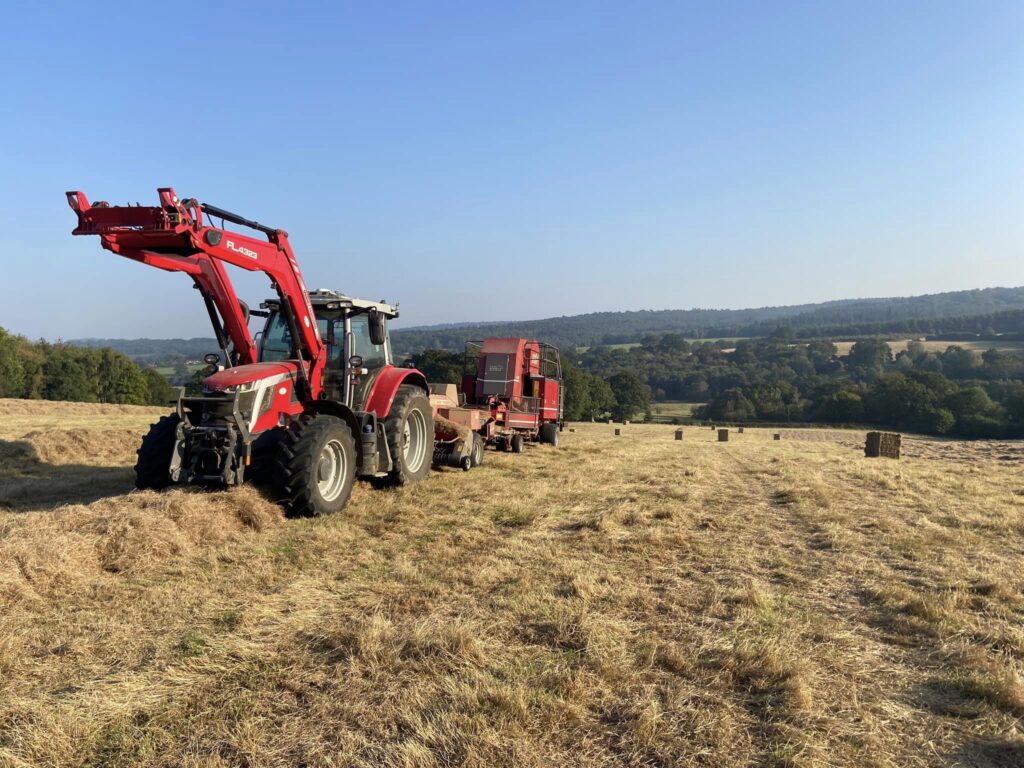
(355, 334)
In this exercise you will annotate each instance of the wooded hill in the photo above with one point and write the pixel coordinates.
(42, 371)
(929, 314)
(977, 312)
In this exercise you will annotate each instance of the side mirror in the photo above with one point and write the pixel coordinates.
(355, 361)
(378, 328)
(211, 359)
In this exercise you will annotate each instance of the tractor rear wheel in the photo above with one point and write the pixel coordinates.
(315, 466)
(549, 434)
(153, 468)
(409, 427)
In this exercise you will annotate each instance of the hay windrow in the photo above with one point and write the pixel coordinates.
(17, 417)
(48, 555)
(10, 407)
(88, 447)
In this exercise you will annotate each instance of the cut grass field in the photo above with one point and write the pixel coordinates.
(673, 409)
(630, 344)
(941, 346)
(168, 370)
(616, 601)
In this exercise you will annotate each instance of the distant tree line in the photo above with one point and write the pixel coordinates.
(157, 353)
(997, 310)
(978, 314)
(954, 392)
(40, 370)
(1003, 326)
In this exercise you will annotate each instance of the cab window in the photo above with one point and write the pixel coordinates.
(277, 340)
(374, 355)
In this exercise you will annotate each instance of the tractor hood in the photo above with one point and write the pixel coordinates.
(244, 377)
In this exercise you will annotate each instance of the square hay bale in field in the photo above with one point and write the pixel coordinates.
(679, 434)
(879, 444)
(723, 435)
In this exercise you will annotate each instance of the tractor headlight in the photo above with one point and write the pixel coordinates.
(249, 386)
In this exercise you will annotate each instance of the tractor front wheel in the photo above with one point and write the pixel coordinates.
(516, 444)
(315, 466)
(153, 468)
(409, 427)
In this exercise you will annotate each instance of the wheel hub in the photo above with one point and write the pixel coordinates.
(331, 470)
(414, 441)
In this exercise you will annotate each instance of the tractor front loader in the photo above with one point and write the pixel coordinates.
(316, 403)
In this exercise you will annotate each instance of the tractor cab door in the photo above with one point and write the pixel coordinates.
(375, 358)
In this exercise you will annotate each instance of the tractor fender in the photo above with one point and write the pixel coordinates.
(343, 412)
(386, 386)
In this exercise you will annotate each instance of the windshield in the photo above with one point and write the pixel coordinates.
(277, 341)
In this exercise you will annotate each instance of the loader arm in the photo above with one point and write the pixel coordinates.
(174, 237)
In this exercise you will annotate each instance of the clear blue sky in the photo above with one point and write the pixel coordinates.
(483, 161)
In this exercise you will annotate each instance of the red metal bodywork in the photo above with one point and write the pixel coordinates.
(173, 237)
(386, 387)
(518, 381)
(233, 377)
(285, 398)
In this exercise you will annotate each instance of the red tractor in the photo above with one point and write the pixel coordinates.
(511, 392)
(315, 403)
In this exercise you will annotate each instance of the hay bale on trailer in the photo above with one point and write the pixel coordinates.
(883, 444)
(455, 445)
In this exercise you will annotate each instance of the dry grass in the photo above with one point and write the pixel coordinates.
(18, 417)
(941, 346)
(617, 601)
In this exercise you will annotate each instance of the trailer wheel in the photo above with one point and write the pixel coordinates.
(477, 455)
(315, 466)
(516, 444)
(549, 434)
(410, 434)
(153, 467)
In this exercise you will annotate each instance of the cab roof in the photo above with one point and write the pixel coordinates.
(327, 299)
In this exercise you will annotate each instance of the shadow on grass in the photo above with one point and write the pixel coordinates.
(28, 484)
(946, 700)
(990, 753)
